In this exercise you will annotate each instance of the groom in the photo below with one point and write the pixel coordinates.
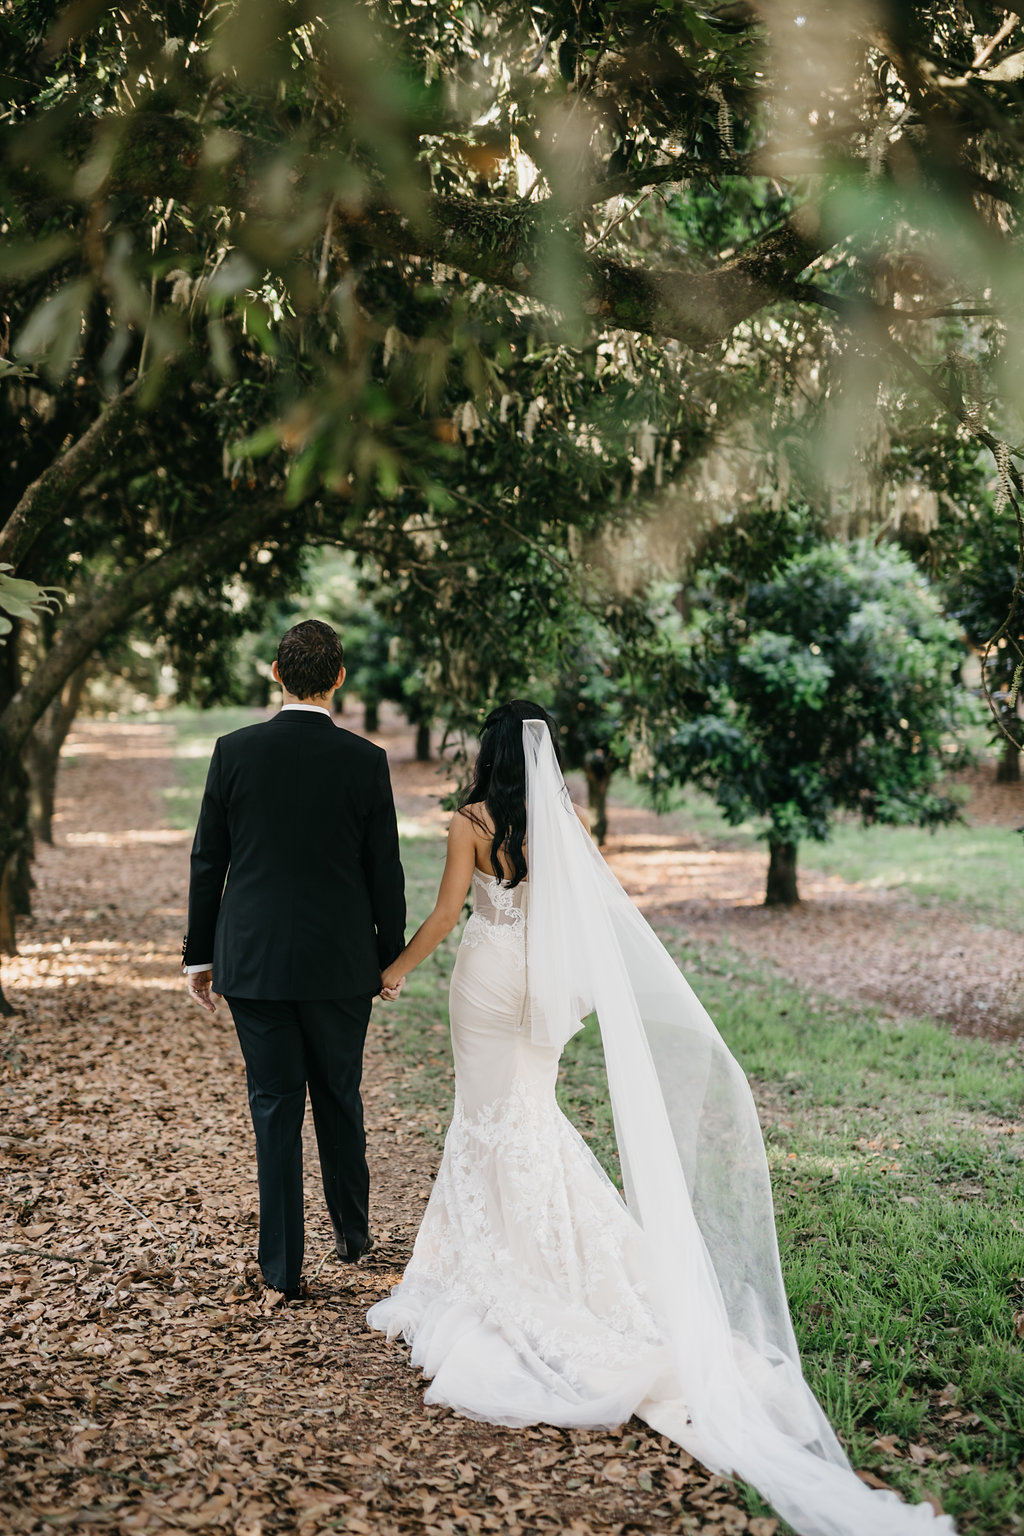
(312, 911)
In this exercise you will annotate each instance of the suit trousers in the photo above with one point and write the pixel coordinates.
(286, 1047)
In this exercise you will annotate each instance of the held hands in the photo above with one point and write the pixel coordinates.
(200, 990)
(391, 984)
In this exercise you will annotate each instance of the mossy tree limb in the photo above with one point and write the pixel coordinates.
(49, 494)
(513, 245)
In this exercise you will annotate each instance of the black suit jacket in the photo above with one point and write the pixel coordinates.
(299, 819)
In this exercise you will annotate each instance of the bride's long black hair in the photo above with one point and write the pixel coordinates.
(499, 781)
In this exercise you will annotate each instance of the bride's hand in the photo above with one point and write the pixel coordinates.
(391, 984)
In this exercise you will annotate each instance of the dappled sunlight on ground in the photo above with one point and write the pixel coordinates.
(130, 835)
(128, 1215)
(662, 872)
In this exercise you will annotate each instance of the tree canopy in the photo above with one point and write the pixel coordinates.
(828, 687)
(460, 287)
(296, 181)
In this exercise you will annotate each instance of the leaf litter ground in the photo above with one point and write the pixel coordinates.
(148, 1382)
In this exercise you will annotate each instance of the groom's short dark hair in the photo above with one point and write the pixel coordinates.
(309, 658)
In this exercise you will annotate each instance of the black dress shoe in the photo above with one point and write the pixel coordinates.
(345, 1253)
(290, 1293)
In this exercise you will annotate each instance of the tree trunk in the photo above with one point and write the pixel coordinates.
(19, 869)
(15, 851)
(43, 748)
(41, 762)
(1008, 771)
(598, 782)
(115, 604)
(371, 716)
(22, 704)
(11, 818)
(423, 741)
(6, 927)
(782, 891)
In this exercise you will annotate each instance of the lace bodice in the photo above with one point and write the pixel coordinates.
(499, 915)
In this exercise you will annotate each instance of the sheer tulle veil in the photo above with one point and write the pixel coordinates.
(696, 1180)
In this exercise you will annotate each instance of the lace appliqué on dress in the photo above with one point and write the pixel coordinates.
(524, 1226)
(498, 918)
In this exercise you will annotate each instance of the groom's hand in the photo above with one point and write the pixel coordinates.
(200, 990)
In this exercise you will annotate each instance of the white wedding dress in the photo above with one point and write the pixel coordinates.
(524, 1298)
(535, 1293)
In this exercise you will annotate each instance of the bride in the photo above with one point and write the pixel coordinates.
(535, 1293)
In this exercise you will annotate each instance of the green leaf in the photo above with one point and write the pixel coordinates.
(261, 442)
(52, 335)
(27, 258)
(24, 599)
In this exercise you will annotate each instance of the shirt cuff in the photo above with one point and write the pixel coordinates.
(190, 970)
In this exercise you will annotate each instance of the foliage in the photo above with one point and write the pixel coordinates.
(591, 704)
(455, 290)
(21, 599)
(379, 664)
(830, 685)
(987, 566)
(323, 190)
(379, 671)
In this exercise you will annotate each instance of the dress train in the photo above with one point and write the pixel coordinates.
(535, 1293)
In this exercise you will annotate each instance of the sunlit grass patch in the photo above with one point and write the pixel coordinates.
(195, 733)
(975, 867)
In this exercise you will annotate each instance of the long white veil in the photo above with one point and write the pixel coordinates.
(696, 1180)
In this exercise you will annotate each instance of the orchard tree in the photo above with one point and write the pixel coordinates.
(380, 664)
(342, 229)
(831, 686)
(383, 670)
(590, 701)
(986, 566)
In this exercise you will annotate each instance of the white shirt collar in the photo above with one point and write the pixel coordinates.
(313, 708)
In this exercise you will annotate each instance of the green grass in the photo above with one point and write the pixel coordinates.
(978, 868)
(899, 1187)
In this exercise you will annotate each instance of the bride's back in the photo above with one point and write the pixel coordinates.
(482, 822)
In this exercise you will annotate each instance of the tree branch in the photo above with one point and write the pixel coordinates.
(515, 245)
(48, 495)
(115, 603)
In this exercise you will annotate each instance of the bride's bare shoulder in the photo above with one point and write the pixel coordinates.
(581, 813)
(478, 817)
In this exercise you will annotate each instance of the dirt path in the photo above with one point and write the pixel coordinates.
(145, 1384)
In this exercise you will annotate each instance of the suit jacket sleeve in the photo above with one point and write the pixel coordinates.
(385, 878)
(211, 855)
